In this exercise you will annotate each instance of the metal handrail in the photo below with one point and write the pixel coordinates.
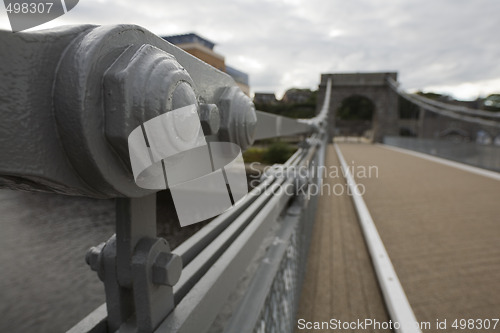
(214, 242)
(107, 83)
(185, 312)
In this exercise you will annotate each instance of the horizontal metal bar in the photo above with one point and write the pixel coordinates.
(201, 305)
(95, 322)
(189, 249)
(193, 272)
(246, 315)
(248, 311)
(270, 126)
(210, 256)
(217, 254)
(209, 236)
(196, 243)
(294, 157)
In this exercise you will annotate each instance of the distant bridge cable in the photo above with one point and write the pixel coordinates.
(443, 108)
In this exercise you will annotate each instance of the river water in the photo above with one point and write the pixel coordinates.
(45, 284)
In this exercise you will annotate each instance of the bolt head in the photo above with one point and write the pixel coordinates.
(238, 117)
(142, 84)
(167, 269)
(94, 258)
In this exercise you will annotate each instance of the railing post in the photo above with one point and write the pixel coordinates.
(137, 268)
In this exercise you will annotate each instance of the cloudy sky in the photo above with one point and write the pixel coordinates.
(448, 46)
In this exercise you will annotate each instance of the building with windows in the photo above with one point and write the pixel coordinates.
(203, 49)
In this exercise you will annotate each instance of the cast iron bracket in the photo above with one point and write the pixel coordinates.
(137, 268)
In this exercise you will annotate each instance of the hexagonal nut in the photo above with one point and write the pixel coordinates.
(141, 84)
(167, 269)
(210, 118)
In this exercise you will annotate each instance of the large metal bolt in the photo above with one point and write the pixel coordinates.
(210, 118)
(143, 83)
(238, 118)
(167, 269)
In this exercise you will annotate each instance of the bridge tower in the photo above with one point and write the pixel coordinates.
(373, 86)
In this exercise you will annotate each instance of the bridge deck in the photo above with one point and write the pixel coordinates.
(440, 226)
(340, 282)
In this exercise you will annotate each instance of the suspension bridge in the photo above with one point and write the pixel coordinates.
(342, 234)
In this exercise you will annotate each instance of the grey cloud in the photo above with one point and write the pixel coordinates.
(443, 42)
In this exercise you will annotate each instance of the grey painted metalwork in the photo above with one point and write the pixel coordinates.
(271, 300)
(95, 86)
(82, 90)
(73, 97)
(136, 267)
(270, 126)
(95, 322)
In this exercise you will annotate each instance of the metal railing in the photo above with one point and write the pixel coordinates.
(98, 84)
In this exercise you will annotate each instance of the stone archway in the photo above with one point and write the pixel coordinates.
(355, 116)
(373, 86)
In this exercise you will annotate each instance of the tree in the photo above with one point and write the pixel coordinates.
(356, 108)
(492, 102)
(305, 109)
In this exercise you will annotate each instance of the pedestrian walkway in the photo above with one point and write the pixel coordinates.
(340, 282)
(440, 226)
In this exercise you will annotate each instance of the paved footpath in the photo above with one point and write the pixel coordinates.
(440, 226)
(340, 282)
